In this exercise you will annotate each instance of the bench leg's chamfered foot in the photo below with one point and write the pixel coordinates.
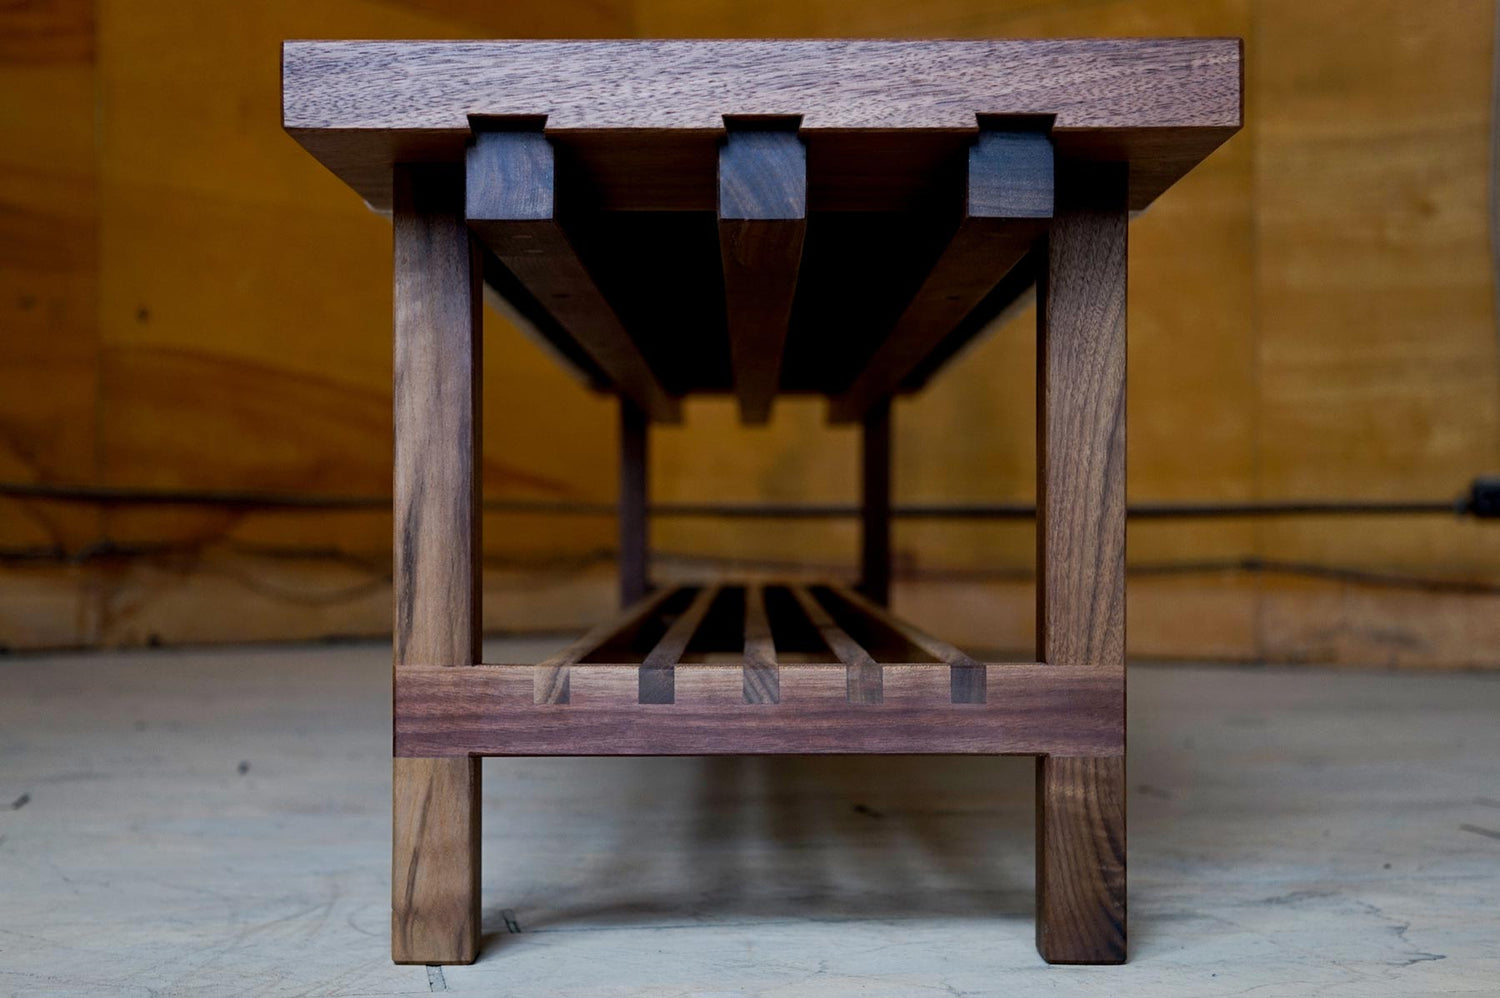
(1080, 859)
(435, 861)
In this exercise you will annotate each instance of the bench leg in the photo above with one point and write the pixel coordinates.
(1080, 859)
(1081, 553)
(435, 861)
(435, 842)
(875, 504)
(635, 490)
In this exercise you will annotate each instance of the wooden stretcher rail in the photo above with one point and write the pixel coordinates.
(1029, 709)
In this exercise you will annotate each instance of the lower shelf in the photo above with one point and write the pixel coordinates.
(754, 669)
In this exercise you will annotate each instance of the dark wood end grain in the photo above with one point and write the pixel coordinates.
(966, 683)
(1010, 175)
(762, 172)
(510, 177)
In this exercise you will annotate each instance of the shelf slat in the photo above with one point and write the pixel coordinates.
(762, 677)
(552, 673)
(966, 675)
(863, 674)
(656, 678)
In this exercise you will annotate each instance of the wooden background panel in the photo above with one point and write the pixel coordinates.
(833, 18)
(796, 457)
(48, 287)
(1378, 350)
(246, 298)
(205, 307)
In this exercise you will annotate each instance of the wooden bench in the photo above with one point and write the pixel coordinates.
(837, 218)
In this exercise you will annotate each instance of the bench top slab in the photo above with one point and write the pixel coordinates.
(1161, 103)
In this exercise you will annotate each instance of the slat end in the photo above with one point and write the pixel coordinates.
(509, 176)
(762, 171)
(1011, 175)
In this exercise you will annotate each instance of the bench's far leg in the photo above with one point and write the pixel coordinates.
(875, 504)
(435, 841)
(1081, 554)
(635, 492)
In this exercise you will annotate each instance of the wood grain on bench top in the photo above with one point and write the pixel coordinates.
(1161, 103)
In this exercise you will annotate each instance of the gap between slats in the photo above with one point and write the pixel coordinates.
(761, 627)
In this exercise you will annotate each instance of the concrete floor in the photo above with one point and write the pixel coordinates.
(217, 822)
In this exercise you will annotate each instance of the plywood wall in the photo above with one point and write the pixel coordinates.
(190, 302)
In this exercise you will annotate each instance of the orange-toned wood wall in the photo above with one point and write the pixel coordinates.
(187, 301)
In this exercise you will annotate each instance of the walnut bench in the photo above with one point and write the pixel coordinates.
(756, 218)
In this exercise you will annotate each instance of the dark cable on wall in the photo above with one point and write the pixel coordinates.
(1482, 500)
(377, 570)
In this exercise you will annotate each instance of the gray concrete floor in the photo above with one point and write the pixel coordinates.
(217, 823)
